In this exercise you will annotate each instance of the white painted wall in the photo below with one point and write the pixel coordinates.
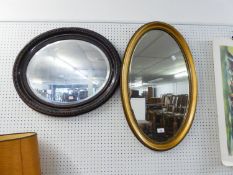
(135, 11)
(139, 107)
(182, 87)
(165, 88)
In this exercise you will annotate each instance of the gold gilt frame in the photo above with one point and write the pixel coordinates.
(159, 146)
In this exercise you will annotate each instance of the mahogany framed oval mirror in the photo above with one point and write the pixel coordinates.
(158, 86)
(67, 72)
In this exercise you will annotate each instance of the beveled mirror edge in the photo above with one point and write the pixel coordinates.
(163, 146)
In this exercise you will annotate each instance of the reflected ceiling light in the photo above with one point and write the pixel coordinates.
(155, 80)
(66, 65)
(86, 78)
(37, 81)
(95, 82)
(62, 64)
(137, 84)
(173, 57)
(176, 70)
(80, 74)
(181, 74)
(76, 70)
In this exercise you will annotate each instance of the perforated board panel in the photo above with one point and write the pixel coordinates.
(100, 142)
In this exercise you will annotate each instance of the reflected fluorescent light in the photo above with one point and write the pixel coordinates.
(181, 74)
(95, 82)
(61, 63)
(176, 70)
(138, 84)
(85, 77)
(64, 63)
(173, 57)
(37, 81)
(80, 74)
(155, 80)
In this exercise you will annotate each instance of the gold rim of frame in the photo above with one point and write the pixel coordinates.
(183, 130)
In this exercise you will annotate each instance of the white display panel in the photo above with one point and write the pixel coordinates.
(139, 106)
(100, 142)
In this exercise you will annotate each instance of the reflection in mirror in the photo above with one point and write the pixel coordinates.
(67, 71)
(159, 85)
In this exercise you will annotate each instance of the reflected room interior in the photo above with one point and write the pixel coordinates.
(159, 85)
(67, 71)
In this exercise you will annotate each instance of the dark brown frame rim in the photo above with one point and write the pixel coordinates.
(64, 110)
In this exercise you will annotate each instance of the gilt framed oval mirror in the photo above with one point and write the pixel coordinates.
(67, 71)
(158, 86)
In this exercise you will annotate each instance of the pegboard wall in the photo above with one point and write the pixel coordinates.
(100, 142)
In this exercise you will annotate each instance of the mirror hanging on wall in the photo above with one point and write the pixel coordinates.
(67, 71)
(158, 86)
(158, 80)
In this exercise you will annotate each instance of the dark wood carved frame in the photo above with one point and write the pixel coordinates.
(74, 109)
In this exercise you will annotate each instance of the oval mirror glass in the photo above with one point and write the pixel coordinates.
(159, 86)
(67, 72)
